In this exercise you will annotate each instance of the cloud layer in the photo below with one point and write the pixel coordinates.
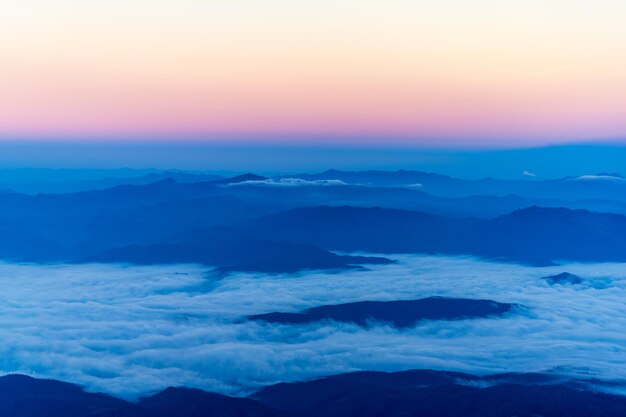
(133, 330)
(289, 182)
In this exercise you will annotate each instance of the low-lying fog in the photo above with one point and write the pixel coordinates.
(133, 330)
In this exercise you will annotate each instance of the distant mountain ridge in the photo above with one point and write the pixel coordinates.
(533, 235)
(245, 255)
(74, 185)
(98, 224)
(445, 186)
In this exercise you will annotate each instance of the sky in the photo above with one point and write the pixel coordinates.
(448, 73)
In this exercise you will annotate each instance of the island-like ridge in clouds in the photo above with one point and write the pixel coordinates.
(400, 313)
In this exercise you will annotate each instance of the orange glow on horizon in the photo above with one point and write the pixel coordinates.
(496, 72)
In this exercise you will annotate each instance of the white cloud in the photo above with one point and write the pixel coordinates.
(528, 174)
(132, 330)
(289, 182)
(600, 177)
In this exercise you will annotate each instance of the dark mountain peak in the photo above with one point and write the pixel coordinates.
(18, 381)
(124, 190)
(164, 181)
(537, 211)
(239, 179)
(179, 176)
(189, 402)
(557, 215)
(563, 278)
(247, 177)
(16, 377)
(22, 395)
(402, 313)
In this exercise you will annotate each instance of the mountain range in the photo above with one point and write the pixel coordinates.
(246, 222)
(365, 394)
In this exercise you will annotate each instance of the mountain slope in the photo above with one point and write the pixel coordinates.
(365, 394)
(232, 255)
(442, 394)
(400, 314)
(533, 235)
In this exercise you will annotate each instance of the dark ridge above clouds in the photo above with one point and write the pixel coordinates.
(563, 278)
(239, 179)
(432, 393)
(533, 235)
(404, 313)
(366, 394)
(237, 256)
(22, 396)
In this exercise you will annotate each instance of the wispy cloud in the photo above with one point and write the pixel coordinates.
(289, 182)
(608, 177)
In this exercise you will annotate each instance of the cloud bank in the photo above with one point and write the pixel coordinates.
(604, 177)
(133, 330)
(289, 182)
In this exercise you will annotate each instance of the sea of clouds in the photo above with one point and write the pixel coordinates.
(130, 330)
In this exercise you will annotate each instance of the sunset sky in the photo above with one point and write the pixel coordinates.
(492, 73)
